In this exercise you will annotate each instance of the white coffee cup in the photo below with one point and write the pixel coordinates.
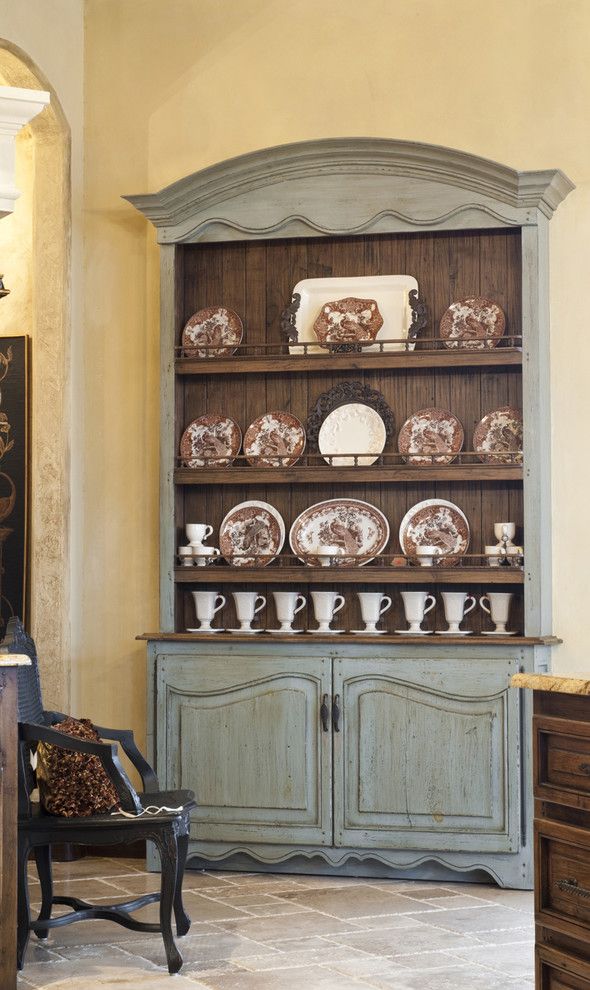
(197, 532)
(203, 555)
(416, 607)
(497, 608)
(325, 606)
(504, 530)
(373, 605)
(326, 555)
(287, 605)
(426, 555)
(454, 603)
(246, 603)
(494, 555)
(186, 556)
(207, 604)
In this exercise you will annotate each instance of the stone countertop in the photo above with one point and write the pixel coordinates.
(563, 683)
(14, 660)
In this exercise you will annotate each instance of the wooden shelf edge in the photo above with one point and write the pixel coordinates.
(498, 357)
(317, 475)
(386, 639)
(357, 575)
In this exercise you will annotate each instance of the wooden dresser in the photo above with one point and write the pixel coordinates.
(561, 760)
(8, 813)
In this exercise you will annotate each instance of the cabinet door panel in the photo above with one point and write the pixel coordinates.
(245, 735)
(427, 756)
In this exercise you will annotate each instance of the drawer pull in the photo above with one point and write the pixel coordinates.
(570, 886)
(585, 768)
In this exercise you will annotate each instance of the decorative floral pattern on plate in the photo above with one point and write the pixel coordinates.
(430, 436)
(210, 441)
(348, 320)
(497, 438)
(212, 332)
(435, 523)
(468, 322)
(276, 439)
(350, 531)
(252, 534)
(353, 428)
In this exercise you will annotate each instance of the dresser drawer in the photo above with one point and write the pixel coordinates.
(562, 761)
(562, 888)
(557, 970)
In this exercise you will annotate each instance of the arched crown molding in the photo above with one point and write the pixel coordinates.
(382, 185)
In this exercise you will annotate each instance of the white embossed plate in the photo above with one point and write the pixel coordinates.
(430, 436)
(210, 441)
(497, 438)
(252, 534)
(276, 439)
(353, 428)
(390, 292)
(351, 531)
(435, 523)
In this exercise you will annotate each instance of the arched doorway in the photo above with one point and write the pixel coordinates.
(39, 264)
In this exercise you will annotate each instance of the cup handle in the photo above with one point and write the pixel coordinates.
(472, 606)
(340, 603)
(208, 531)
(216, 551)
(386, 603)
(262, 600)
(432, 603)
(302, 599)
(484, 598)
(221, 600)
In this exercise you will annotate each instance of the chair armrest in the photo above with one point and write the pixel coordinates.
(106, 752)
(129, 746)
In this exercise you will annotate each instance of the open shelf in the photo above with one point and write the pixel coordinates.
(246, 474)
(371, 574)
(345, 637)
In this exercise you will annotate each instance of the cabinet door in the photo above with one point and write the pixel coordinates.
(428, 755)
(245, 734)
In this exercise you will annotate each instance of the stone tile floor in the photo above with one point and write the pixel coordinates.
(277, 932)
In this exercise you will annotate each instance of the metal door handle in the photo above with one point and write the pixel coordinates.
(325, 714)
(336, 713)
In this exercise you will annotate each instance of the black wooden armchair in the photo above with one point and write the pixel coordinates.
(38, 831)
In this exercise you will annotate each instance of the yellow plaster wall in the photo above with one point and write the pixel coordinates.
(171, 88)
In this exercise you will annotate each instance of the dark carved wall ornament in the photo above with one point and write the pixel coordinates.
(419, 315)
(340, 395)
(288, 328)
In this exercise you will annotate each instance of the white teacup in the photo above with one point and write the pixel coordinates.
(497, 608)
(246, 603)
(373, 605)
(504, 530)
(325, 606)
(494, 555)
(186, 556)
(287, 605)
(197, 532)
(207, 604)
(203, 555)
(426, 555)
(455, 602)
(326, 555)
(415, 608)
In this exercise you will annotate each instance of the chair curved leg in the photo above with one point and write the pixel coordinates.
(167, 845)
(23, 917)
(183, 922)
(43, 861)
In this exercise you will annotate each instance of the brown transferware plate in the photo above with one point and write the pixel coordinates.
(252, 534)
(345, 530)
(435, 523)
(212, 332)
(348, 320)
(276, 439)
(210, 441)
(474, 323)
(430, 436)
(497, 438)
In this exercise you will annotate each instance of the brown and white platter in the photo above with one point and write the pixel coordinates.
(212, 332)
(276, 439)
(474, 323)
(435, 523)
(497, 438)
(251, 534)
(430, 436)
(344, 531)
(210, 440)
(349, 320)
